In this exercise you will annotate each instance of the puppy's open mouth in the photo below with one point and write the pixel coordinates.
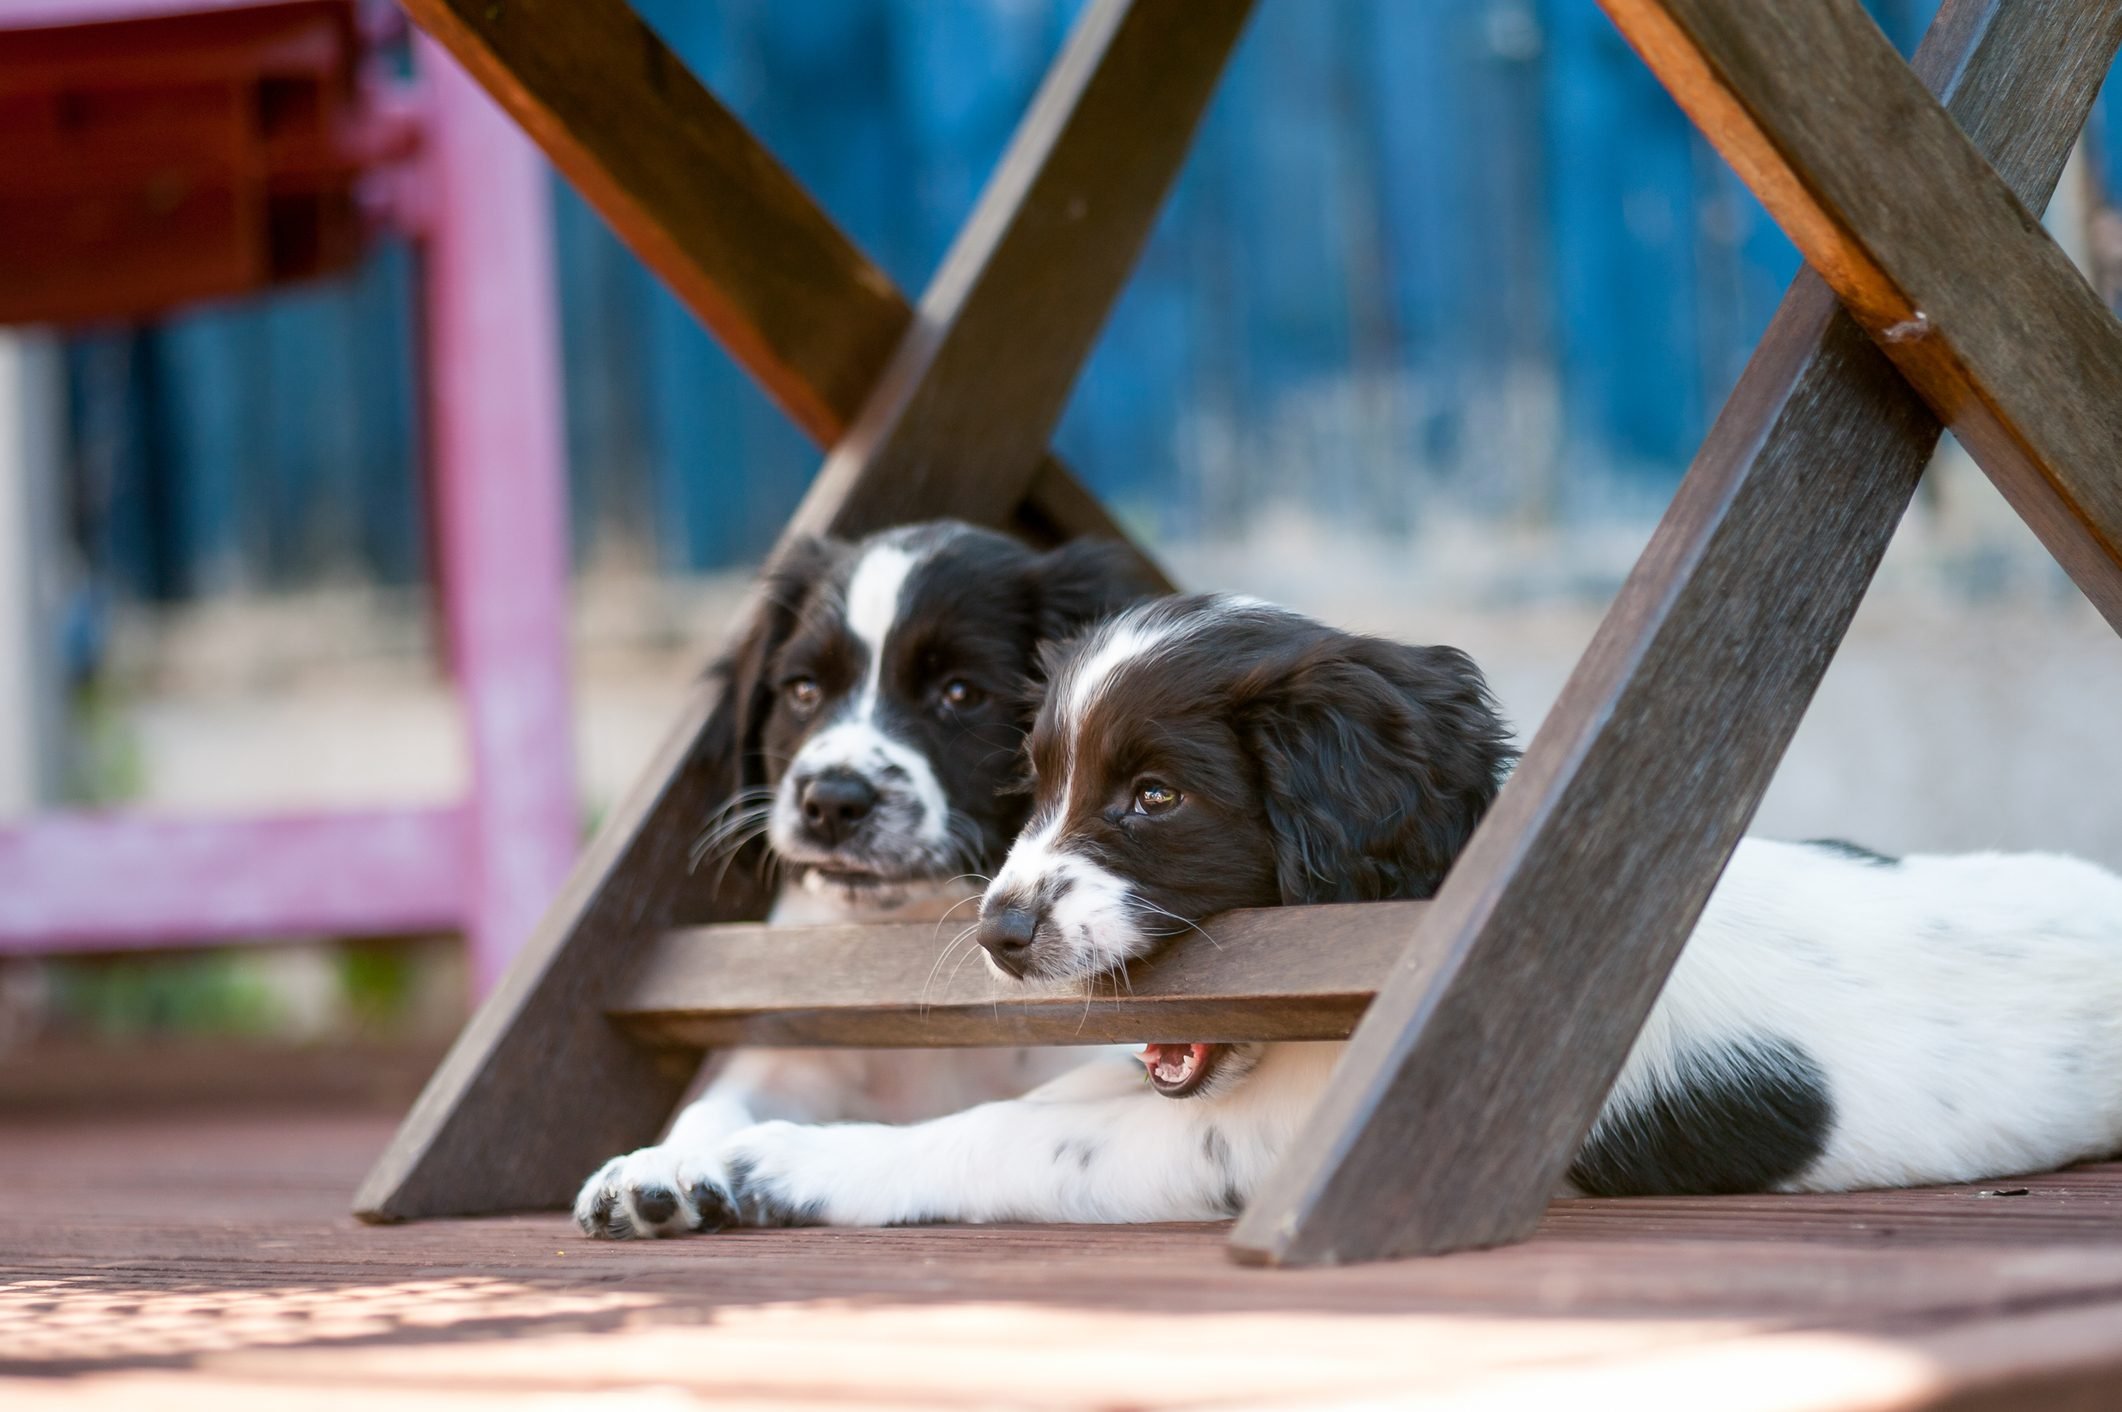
(1180, 1070)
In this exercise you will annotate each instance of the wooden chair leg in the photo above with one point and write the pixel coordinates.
(540, 1087)
(1469, 1085)
(500, 476)
(1923, 241)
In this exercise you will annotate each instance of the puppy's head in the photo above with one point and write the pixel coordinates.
(1198, 754)
(882, 700)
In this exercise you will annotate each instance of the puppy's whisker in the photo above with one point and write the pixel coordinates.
(1183, 922)
(735, 846)
(710, 837)
(954, 940)
(718, 837)
(952, 978)
(941, 956)
(950, 909)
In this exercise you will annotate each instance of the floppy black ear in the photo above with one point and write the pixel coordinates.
(1082, 581)
(785, 585)
(1377, 760)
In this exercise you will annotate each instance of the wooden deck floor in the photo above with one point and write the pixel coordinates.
(207, 1261)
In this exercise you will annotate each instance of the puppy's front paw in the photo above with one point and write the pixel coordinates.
(656, 1191)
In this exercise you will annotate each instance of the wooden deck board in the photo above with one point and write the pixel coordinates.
(208, 1260)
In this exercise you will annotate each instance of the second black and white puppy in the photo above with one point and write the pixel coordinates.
(880, 707)
(1838, 1020)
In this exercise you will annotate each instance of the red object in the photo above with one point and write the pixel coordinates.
(489, 864)
(155, 154)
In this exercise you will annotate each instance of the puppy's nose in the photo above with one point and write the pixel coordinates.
(1007, 934)
(835, 803)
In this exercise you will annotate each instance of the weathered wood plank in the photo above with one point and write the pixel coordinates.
(718, 218)
(1925, 243)
(537, 1084)
(1467, 1088)
(213, 1269)
(1281, 973)
(539, 1087)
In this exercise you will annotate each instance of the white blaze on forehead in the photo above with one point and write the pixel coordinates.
(1131, 637)
(853, 741)
(1127, 640)
(873, 592)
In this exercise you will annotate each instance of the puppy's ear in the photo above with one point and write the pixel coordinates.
(1082, 581)
(1377, 760)
(786, 585)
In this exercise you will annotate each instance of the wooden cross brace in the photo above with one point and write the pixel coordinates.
(1486, 1025)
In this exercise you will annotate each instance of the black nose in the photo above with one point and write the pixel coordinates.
(835, 804)
(1007, 934)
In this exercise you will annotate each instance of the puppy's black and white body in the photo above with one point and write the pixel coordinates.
(1838, 1019)
(881, 707)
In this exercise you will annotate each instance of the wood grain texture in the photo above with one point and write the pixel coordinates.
(704, 204)
(538, 1085)
(212, 1268)
(1925, 243)
(690, 191)
(1278, 973)
(539, 1088)
(1468, 1088)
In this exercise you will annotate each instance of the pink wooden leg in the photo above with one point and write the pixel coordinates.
(500, 484)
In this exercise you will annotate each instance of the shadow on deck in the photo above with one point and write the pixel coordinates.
(205, 1259)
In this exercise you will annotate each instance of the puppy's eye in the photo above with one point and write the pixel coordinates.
(1155, 797)
(961, 695)
(802, 694)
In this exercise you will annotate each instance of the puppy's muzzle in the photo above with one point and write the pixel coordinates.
(1007, 932)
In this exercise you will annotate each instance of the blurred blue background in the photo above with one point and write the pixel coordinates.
(1426, 253)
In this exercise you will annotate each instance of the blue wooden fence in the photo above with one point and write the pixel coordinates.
(1427, 251)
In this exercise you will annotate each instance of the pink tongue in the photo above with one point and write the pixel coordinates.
(1171, 1062)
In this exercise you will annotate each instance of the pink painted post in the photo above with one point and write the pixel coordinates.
(500, 481)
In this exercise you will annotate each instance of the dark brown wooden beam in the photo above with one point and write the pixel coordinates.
(1470, 1083)
(1283, 973)
(540, 1088)
(1925, 243)
(705, 205)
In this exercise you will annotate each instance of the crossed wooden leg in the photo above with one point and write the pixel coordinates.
(952, 420)
(1480, 1066)
(1469, 1086)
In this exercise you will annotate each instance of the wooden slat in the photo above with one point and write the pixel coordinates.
(1283, 973)
(1467, 1090)
(708, 208)
(540, 1088)
(1924, 243)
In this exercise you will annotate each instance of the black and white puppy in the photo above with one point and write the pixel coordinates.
(1838, 1019)
(881, 708)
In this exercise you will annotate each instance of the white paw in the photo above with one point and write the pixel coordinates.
(655, 1191)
